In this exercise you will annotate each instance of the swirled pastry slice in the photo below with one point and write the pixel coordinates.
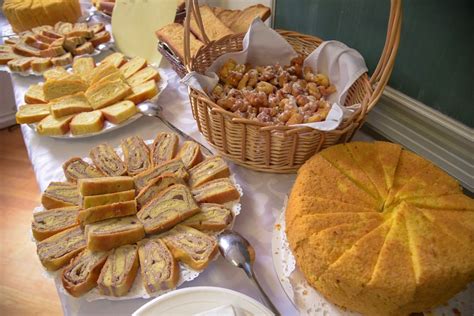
(216, 191)
(48, 223)
(119, 271)
(174, 166)
(172, 206)
(60, 194)
(210, 169)
(106, 160)
(190, 154)
(113, 233)
(136, 155)
(191, 246)
(164, 147)
(76, 168)
(159, 268)
(109, 198)
(81, 275)
(56, 251)
(213, 217)
(156, 186)
(104, 185)
(101, 212)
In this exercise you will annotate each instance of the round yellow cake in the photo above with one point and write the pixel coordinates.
(24, 15)
(379, 230)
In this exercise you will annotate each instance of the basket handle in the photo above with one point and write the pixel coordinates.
(192, 7)
(386, 62)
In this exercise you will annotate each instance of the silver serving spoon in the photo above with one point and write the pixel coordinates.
(154, 110)
(237, 250)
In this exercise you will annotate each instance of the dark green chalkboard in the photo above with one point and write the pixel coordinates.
(435, 62)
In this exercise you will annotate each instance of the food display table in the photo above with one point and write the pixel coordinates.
(263, 198)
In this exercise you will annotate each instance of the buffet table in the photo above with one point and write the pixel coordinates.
(262, 201)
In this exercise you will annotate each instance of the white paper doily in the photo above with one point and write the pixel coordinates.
(308, 301)
(137, 290)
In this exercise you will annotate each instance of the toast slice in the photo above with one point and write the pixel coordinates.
(35, 95)
(196, 249)
(190, 154)
(164, 147)
(69, 104)
(213, 217)
(207, 170)
(68, 85)
(142, 76)
(106, 160)
(80, 276)
(215, 28)
(83, 66)
(136, 155)
(87, 123)
(113, 233)
(226, 16)
(76, 168)
(159, 268)
(174, 166)
(108, 198)
(170, 207)
(132, 66)
(102, 212)
(119, 271)
(60, 194)
(104, 185)
(115, 59)
(107, 93)
(173, 35)
(155, 187)
(48, 223)
(56, 251)
(216, 191)
(143, 92)
(51, 126)
(41, 64)
(119, 112)
(55, 73)
(242, 23)
(31, 113)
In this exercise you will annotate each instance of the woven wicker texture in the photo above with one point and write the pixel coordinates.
(279, 149)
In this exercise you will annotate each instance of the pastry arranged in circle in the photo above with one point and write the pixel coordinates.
(379, 230)
(120, 213)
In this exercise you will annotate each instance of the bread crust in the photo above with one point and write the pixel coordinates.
(216, 191)
(67, 217)
(98, 213)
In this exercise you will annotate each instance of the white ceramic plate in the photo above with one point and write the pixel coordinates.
(108, 126)
(194, 300)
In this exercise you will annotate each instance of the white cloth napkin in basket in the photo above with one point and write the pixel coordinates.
(263, 46)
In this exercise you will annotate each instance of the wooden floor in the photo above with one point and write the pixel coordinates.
(23, 288)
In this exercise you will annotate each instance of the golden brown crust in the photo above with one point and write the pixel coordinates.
(164, 147)
(209, 169)
(156, 186)
(173, 35)
(76, 168)
(159, 268)
(174, 166)
(104, 185)
(136, 155)
(81, 275)
(213, 217)
(101, 212)
(60, 194)
(190, 154)
(119, 271)
(48, 223)
(216, 191)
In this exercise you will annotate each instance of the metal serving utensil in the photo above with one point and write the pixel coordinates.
(154, 110)
(237, 250)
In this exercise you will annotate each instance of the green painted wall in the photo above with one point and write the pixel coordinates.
(435, 61)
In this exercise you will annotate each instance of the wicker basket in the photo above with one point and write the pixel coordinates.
(281, 149)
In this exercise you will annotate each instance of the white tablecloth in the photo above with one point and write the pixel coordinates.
(262, 201)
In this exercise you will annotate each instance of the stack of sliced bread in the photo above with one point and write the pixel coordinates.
(82, 100)
(46, 46)
(218, 22)
(118, 215)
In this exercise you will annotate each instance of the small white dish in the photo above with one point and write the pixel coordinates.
(193, 300)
